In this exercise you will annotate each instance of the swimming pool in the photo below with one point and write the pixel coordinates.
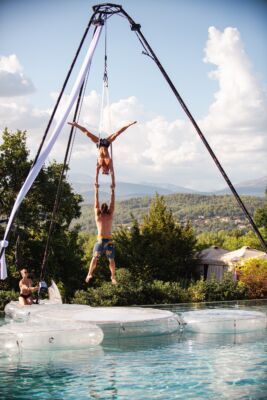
(172, 367)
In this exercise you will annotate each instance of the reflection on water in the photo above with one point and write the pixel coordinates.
(182, 366)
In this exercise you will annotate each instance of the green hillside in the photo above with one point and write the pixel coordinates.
(205, 212)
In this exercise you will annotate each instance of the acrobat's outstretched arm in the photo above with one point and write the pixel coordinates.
(112, 200)
(97, 173)
(84, 130)
(97, 204)
(112, 137)
(112, 173)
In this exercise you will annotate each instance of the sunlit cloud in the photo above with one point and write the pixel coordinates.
(13, 82)
(159, 150)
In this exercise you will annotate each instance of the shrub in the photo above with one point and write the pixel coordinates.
(167, 293)
(253, 275)
(129, 291)
(122, 294)
(197, 291)
(213, 290)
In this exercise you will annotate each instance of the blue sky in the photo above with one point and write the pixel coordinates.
(44, 35)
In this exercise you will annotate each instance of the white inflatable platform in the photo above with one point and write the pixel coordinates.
(221, 321)
(19, 336)
(62, 326)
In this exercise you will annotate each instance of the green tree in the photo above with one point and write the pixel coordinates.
(261, 215)
(158, 247)
(230, 240)
(14, 166)
(33, 219)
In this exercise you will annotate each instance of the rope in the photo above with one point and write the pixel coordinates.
(64, 168)
(62, 90)
(78, 118)
(105, 93)
(104, 87)
(56, 106)
(115, 9)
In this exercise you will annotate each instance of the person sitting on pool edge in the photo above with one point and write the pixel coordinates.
(103, 219)
(26, 288)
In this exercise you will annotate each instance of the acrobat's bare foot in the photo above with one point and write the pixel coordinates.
(113, 281)
(88, 278)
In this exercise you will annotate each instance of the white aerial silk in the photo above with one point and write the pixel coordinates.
(45, 152)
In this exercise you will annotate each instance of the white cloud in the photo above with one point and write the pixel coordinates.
(13, 82)
(236, 123)
(159, 150)
(240, 102)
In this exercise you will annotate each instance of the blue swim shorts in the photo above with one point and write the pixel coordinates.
(104, 245)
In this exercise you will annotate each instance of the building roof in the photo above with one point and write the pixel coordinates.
(212, 255)
(244, 253)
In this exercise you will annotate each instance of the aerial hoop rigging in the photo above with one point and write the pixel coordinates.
(44, 150)
(110, 9)
(101, 13)
(105, 103)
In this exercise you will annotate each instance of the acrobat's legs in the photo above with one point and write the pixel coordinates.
(92, 267)
(112, 137)
(94, 138)
(84, 130)
(112, 268)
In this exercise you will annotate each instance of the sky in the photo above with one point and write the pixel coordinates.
(213, 50)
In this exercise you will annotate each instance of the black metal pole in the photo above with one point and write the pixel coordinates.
(57, 104)
(137, 28)
(59, 189)
(63, 89)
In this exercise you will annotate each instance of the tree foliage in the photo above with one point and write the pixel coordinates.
(230, 240)
(158, 247)
(206, 213)
(261, 215)
(155, 254)
(31, 224)
(253, 274)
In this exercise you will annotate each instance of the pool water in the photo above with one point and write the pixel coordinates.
(181, 366)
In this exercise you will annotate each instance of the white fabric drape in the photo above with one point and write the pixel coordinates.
(216, 271)
(45, 152)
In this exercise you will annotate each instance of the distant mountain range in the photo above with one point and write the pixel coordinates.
(83, 184)
(254, 187)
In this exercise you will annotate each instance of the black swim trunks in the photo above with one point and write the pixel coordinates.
(103, 143)
(25, 296)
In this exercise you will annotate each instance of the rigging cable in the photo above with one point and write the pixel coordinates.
(149, 52)
(112, 9)
(64, 168)
(105, 102)
(61, 178)
(91, 21)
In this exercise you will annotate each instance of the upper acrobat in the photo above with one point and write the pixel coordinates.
(104, 161)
